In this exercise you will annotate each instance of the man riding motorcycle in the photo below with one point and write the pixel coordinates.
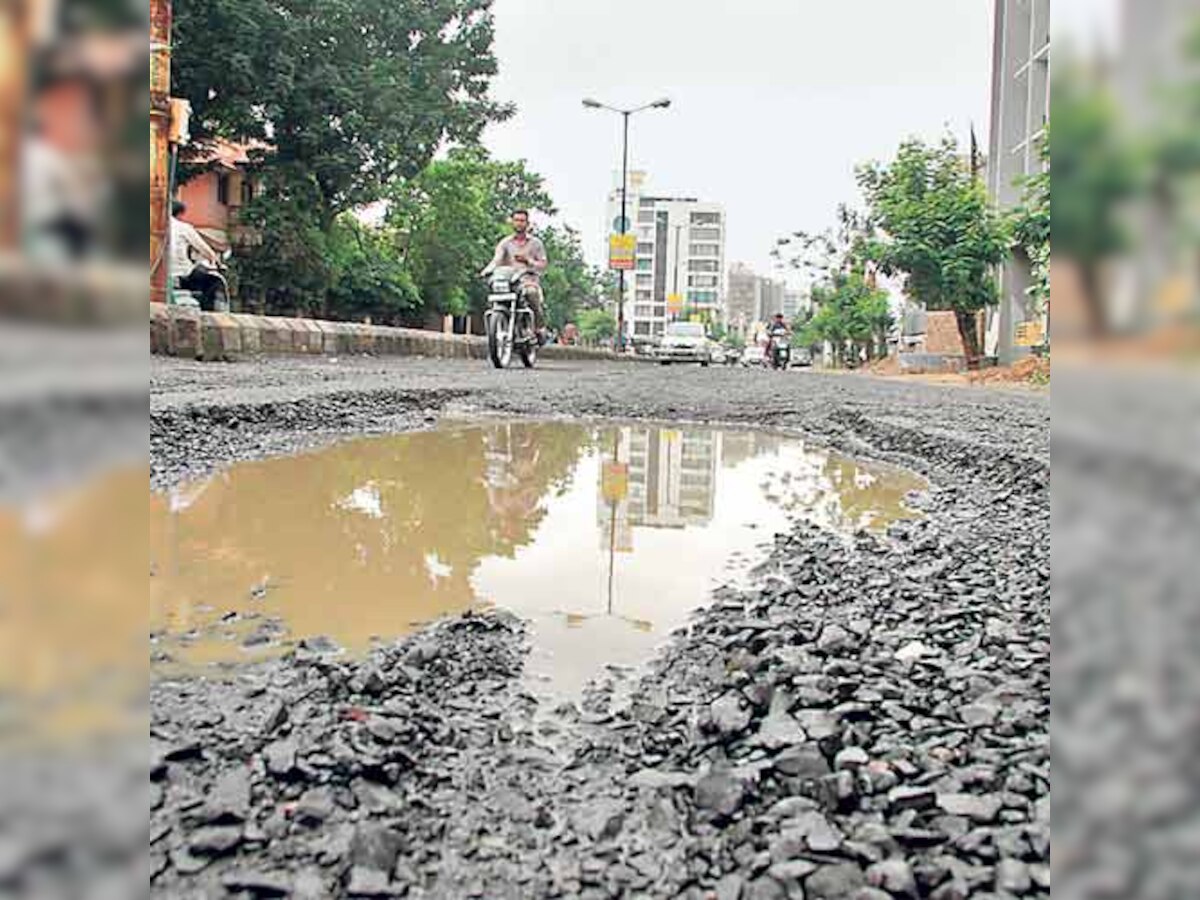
(778, 334)
(523, 250)
(194, 263)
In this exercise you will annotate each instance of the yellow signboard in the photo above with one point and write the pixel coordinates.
(621, 249)
(1030, 334)
(614, 482)
(674, 303)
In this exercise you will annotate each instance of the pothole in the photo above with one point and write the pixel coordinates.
(604, 537)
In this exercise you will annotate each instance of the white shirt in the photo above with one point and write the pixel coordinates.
(185, 237)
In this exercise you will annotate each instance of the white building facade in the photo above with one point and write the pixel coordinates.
(679, 262)
(1020, 111)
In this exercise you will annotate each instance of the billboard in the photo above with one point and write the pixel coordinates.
(621, 251)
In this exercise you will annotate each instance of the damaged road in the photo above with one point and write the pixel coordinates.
(870, 719)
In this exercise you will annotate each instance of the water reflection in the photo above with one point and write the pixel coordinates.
(367, 538)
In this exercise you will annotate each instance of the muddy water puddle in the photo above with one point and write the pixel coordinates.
(603, 537)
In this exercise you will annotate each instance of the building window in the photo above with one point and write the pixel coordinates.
(702, 296)
(642, 312)
(646, 217)
(702, 281)
(223, 190)
(247, 190)
(706, 234)
(646, 249)
(703, 265)
(646, 203)
(641, 328)
(660, 311)
(645, 265)
(644, 280)
(645, 295)
(704, 250)
(706, 218)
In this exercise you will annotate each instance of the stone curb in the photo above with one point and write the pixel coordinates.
(71, 295)
(191, 334)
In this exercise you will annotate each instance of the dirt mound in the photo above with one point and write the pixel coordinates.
(887, 366)
(1030, 370)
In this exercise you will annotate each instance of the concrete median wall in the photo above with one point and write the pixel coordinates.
(190, 334)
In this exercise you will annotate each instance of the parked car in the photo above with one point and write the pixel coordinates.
(684, 342)
(753, 356)
(801, 356)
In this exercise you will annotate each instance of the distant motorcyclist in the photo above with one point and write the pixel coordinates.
(778, 335)
(523, 250)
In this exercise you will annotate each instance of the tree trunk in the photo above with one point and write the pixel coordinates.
(1093, 299)
(968, 330)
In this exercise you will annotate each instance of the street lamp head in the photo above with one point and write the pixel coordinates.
(591, 104)
(661, 104)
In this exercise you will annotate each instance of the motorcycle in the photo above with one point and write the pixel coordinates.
(779, 351)
(220, 273)
(509, 318)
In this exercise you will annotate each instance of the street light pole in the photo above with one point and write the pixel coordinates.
(624, 226)
(624, 223)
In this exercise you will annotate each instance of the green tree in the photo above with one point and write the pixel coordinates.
(368, 274)
(596, 325)
(345, 97)
(852, 315)
(351, 94)
(569, 284)
(1096, 173)
(932, 221)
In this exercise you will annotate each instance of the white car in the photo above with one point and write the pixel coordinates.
(753, 355)
(684, 342)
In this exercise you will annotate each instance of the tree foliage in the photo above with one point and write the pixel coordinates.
(1031, 229)
(852, 315)
(1096, 173)
(345, 99)
(351, 94)
(453, 214)
(932, 222)
(596, 325)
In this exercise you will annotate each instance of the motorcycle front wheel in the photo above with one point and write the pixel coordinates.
(499, 338)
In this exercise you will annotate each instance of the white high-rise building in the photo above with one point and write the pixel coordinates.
(679, 263)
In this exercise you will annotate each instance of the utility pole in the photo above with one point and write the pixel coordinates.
(675, 287)
(624, 223)
(624, 228)
(14, 65)
(160, 147)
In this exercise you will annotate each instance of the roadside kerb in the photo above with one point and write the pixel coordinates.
(191, 334)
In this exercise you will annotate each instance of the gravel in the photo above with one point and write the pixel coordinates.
(871, 720)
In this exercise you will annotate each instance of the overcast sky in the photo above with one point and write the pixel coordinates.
(774, 101)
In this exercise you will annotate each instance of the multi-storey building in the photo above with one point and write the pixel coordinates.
(795, 302)
(1020, 111)
(741, 299)
(680, 258)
